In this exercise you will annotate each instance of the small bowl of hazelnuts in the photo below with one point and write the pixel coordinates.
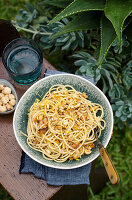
(8, 97)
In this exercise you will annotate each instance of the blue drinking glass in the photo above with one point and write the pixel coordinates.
(23, 59)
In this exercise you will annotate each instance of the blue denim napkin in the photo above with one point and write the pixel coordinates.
(56, 176)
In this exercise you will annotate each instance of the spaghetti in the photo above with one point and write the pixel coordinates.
(61, 126)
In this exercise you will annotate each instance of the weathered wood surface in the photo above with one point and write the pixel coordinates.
(24, 186)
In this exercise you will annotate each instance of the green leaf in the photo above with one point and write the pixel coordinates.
(117, 11)
(80, 62)
(114, 77)
(123, 118)
(85, 21)
(106, 75)
(127, 76)
(108, 35)
(82, 54)
(90, 71)
(117, 114)
(78, 6)
(119, 103)
(105, 85)
(129, 63)
(62, 39)
(97, 75)
(83, 69)
(66, 46)
(109, 67)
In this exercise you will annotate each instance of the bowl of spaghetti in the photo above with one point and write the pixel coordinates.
(55, 120)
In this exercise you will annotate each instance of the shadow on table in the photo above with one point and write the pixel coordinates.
(98, 178)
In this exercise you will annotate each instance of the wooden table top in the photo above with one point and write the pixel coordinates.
(20, 186)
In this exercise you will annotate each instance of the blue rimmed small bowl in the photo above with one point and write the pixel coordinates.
(37, 91)
(13, 91)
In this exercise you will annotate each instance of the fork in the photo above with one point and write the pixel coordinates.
(110, 169)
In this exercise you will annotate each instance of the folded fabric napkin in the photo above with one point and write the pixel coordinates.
(56, 176)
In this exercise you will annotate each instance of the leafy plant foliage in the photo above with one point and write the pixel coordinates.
(68, 40)
(114, 84)
(26, 21)
(114, 14)
(114, 73)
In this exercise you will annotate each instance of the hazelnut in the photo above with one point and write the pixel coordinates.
(5, 99)
(3, 109)
(1, 87)
(11, 96)
(6, 90)
(1, 95)
(9, 107)
(12, 102)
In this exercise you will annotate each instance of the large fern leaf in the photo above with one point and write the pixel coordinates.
(84, 21)
(78, 6)
(117, 11)
(108, 35)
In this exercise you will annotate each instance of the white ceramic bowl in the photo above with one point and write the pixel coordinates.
(37, 90)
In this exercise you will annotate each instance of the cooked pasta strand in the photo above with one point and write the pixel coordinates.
(61, 125)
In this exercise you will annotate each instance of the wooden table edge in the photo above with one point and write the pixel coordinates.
(8, 175)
